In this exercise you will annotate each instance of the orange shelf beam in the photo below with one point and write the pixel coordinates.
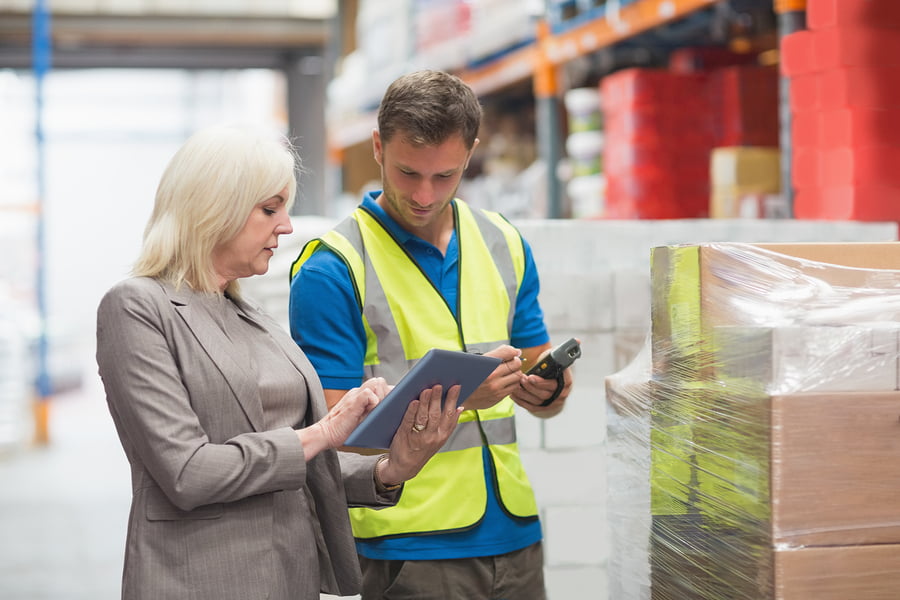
(512, 68)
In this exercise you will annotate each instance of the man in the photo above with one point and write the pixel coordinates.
(414, 268)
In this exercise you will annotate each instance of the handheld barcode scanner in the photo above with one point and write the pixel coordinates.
(554, 363)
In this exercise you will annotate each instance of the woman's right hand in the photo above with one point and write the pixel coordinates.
(335, 427)
(425, 429)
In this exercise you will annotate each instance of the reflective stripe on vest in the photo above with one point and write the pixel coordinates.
(388, 283)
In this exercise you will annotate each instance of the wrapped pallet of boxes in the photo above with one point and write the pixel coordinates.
(766, 421)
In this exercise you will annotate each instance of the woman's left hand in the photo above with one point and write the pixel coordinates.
(424, 430)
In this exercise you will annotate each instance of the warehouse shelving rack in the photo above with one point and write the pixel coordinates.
(541, 61)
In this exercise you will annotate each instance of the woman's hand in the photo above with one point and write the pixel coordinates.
(424, 430)
(334, 428)
(502, 382)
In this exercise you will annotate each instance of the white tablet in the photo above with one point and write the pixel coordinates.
(444, 367)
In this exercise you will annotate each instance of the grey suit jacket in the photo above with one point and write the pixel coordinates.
(210, 484)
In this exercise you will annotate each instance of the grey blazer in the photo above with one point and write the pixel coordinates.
(210, 485)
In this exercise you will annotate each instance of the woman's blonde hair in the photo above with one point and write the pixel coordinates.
(204, 198)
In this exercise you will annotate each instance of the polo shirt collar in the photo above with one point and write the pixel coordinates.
(400, 234)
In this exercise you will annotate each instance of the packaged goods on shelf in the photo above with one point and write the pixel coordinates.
(695, 59)
(662, 126)
(851, 127)
(442, 32)
(644, 161)
(586, 187)
(586, 194)
(745, 104)
(746, 182)
(730, 203)
(498, 26)
(384, 41)
(585, 151)
(851, 87)
(845, 112)
(563, 15)
(384, 32)
(583, 109)
(822, 14)
(764, 416)
(753, 168)
(856, 202)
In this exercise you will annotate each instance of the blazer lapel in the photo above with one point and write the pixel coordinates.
(222, 352)
(315, 395)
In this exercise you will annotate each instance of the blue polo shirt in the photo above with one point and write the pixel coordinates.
(325, 321)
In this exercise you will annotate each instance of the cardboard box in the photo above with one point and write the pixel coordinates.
(831, 461)
(683, 566)
(802, 358)
(839, 573)
(835, 474)
(755, 169)
(734, 202)
(752, 485)
(741, 177)
(696, 287)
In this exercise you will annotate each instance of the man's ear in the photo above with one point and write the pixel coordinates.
(376, 146)
(471, 152)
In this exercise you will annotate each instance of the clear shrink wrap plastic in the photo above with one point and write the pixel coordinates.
(754, 443)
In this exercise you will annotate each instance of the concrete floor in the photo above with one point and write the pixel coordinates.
(64, 507)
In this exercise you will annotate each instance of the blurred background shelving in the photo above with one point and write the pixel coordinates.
(335, 58)
(521, 61)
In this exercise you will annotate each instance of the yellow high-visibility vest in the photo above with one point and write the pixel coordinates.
(404, 316)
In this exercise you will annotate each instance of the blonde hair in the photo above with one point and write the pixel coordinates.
(204, 198)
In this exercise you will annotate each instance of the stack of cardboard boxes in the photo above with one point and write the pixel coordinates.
(774, 434)
(746, 183)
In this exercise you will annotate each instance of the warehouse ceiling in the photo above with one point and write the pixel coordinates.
(169, 33)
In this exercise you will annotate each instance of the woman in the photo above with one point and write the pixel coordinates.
(238, 491)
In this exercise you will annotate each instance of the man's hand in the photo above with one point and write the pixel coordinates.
(534, 390)
(502, 382)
